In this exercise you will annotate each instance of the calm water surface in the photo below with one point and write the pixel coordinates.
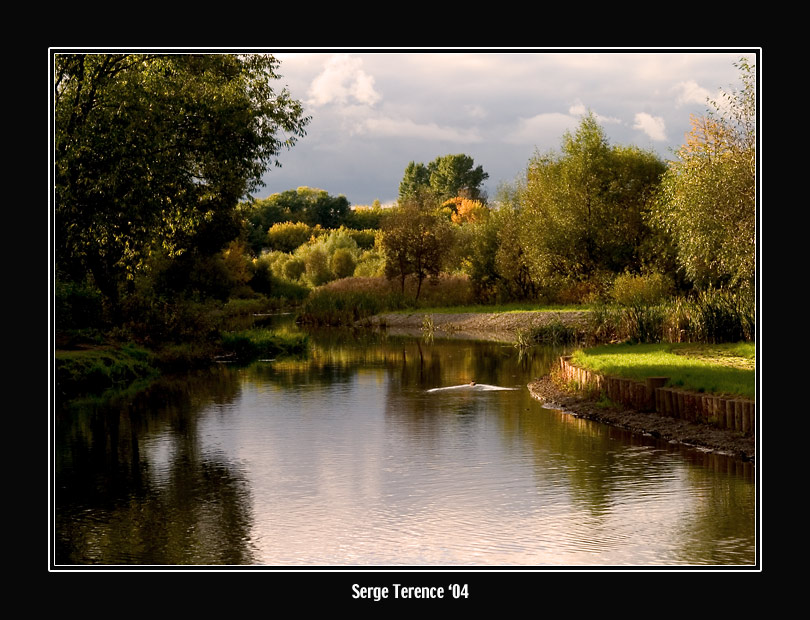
(345, 458)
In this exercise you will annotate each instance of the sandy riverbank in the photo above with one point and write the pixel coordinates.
(499, 326)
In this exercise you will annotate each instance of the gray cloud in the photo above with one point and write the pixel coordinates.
(375, 112)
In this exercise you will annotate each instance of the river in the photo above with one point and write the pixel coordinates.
(346, 457)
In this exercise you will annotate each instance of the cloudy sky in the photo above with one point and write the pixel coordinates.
(372, 113)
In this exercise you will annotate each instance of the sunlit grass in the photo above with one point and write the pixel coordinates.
(714, 369)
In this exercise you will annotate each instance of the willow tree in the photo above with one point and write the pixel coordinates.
(153, 152)
(708, 198)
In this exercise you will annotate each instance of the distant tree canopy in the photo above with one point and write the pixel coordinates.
(445, 177)
(307, 205)
(708, 198)
(154, 152)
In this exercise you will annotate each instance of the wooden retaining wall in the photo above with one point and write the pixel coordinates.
(738, 414)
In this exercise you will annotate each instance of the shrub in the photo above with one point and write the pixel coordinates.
(253, 344)
(293, 269)
(641, 290)
(287, 236)
(78, 306)
(327, 306)
(94, 371)
(711, 316)
(342, 263)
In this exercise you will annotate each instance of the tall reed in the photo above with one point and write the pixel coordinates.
(711, 316)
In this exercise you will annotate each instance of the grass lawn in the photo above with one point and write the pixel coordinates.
(716, 369)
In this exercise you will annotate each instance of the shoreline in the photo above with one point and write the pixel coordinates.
(498, 326)
(503, 326)
(699, 436)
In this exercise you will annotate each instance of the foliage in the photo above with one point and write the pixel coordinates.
(252, 344)
(582, 211)
(415, 241)
(445, 177)
(155, 151)
(342, 263)
(287, 236)
(365, 217)
(713, 316)
(465, 210)
(554, 332)
(351, 299)
(78, 305)
(333, 306)
(641, 290)
(93, 371)
(708, 198)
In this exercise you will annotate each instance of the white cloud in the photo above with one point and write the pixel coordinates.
(653, 126)
(343, 80)
(690, 92)
(579, 109)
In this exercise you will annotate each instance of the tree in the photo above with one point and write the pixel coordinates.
(708, 197)
(583, 210)
(445, 177)
(307, 205)
(155, 151)
(415, 241)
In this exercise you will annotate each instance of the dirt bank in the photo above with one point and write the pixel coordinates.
(701, 436)
(499, 326)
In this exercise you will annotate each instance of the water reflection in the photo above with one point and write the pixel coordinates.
(136, 484)
(346, 458)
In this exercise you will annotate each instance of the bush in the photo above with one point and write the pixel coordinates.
(253, 344)
(287, 236)
(347, 301)
(714, 316)
(641, 290)
(95, 371)
(78, 306)
(342, 263)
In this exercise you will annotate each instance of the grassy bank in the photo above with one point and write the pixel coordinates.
(95, 370)
(716, 369)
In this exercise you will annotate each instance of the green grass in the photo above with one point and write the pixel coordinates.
(252, 344)
(98, 369)
(715, 369)
(493, 309)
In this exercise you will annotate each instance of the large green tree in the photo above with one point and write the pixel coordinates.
(708, 198)
(154, 151)
(445, 177)
(583, 209)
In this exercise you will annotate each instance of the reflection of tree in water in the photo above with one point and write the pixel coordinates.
(720, 512)
(117, 503)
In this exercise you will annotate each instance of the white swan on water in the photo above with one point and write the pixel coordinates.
(472, 385)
